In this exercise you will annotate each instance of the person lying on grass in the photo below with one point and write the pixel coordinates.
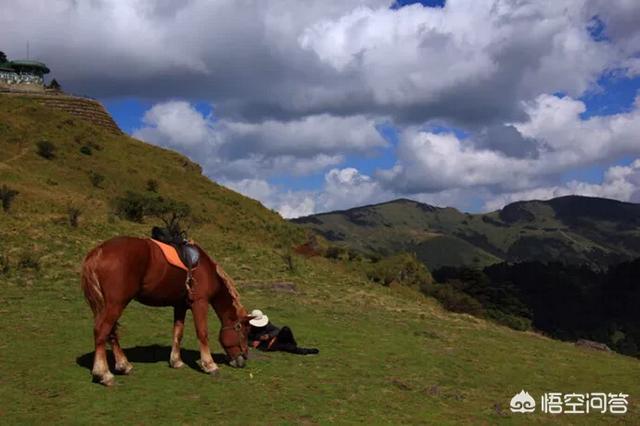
(265, 336)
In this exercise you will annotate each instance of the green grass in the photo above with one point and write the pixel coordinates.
(388, 355)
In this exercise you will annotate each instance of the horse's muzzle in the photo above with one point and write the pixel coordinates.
(239, 362)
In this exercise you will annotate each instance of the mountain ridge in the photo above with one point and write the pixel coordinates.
(579, 229)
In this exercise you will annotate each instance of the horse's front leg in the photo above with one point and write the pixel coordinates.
(179, 313)
(199, 309)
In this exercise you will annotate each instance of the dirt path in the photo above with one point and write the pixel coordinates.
(6, 164)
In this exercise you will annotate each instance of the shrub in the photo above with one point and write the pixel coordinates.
(152, 185)
(403, 269)
(512, 321)
(335, 252)
(73, 214)
(29, 261)
(287, 257)
(86, 150)
(454, 300)
(46, 149)
(96, 179)
(7, 195)
(354, 255)
(131, 206)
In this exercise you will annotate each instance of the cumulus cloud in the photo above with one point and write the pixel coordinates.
(238, 150)
(348, 187)
(429, 162)
(288, 204)
(177, 124)
(469, 62)
(342, 189)
(310, 135)
(620, 183)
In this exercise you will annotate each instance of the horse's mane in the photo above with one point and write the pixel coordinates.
(227, 282)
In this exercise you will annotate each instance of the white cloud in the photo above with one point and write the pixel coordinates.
(345, 188)
(620, 183)
(467, 60)
(236, 150)
(176, 124)
(310, 135)
(304, 207)
(288, 204)
(430, 162)
(470, 61)
(570, 141)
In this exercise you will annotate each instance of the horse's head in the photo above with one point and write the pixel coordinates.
(233, 338)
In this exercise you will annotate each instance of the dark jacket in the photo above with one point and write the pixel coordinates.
(256, 332)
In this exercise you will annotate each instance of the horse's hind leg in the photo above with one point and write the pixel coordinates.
(104, 323)
(123, 366)
(179, 313)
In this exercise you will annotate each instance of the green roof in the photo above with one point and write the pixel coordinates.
(26, 63)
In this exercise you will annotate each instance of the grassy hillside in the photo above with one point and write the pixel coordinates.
(571, 229)
(388, 355)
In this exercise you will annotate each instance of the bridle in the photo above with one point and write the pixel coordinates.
(239, 331)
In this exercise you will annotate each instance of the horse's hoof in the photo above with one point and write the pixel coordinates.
(125, 369)
(209, 368)
(176, 364)
(107, 380)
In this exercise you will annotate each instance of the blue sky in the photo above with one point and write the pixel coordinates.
(322, 105)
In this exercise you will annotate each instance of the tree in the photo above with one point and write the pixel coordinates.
(3, 57)
(54, 85)
(135, 206)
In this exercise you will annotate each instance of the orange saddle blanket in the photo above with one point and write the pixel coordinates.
(170, 254)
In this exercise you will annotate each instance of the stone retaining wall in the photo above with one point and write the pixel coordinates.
(83, 108)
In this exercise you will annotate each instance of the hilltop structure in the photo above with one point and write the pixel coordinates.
(25, 78)
(23, 75)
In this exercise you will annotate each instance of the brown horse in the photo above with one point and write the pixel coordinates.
(124, 268)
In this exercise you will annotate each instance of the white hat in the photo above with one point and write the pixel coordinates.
(259, 319)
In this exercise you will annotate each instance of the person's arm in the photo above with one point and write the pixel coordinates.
(271, 330)
(258, 335)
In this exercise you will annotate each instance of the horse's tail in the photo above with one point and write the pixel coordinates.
(91, 284)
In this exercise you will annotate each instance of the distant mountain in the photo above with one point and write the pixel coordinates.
(570, 229)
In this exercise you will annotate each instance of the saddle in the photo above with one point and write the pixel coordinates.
(187, 253)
